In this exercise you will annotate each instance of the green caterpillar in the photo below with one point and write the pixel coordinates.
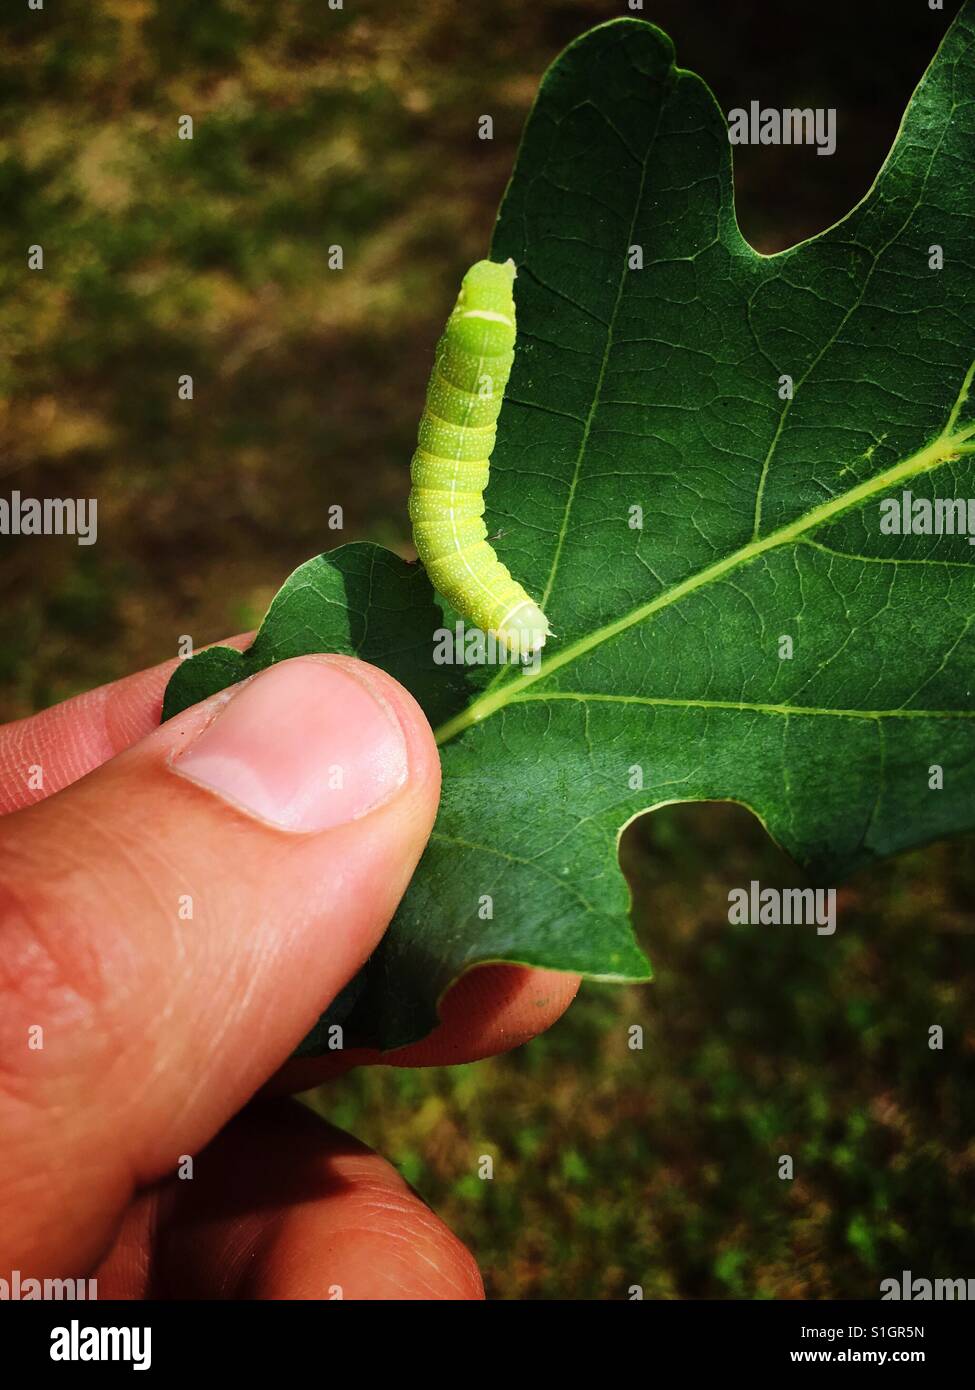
(451, 466)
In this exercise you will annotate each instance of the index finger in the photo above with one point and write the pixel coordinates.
(45, 752)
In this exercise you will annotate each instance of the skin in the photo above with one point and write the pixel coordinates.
(157, 1038)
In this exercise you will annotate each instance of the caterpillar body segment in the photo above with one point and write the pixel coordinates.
(451, 466)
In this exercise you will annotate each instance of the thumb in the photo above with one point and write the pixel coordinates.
(172, 925)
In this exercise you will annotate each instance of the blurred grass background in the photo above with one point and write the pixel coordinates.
(163, 257)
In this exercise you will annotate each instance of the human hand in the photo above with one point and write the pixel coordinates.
(178, 904)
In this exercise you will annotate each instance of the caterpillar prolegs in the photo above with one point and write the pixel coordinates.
(451, 466)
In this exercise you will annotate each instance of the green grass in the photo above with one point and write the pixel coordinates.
(659, 1167)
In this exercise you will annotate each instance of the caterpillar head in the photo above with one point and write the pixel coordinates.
(524, 630)
(484, 318)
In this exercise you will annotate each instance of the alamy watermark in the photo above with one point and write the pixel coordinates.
(908, 515)
(19, 1288)
(84, 1343)
(926, 1290)
(472, 646)
(50, 516)
(783, 907)
(758, 125)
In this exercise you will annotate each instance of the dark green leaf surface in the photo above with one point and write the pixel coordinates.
(659, 388)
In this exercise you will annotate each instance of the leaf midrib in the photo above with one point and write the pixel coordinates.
(945, 447)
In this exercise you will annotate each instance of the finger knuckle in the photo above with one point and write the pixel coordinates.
(52, 981)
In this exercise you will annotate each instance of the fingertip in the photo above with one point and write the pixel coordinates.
(496, 1007)
(491, 1009)
(330, 1218)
